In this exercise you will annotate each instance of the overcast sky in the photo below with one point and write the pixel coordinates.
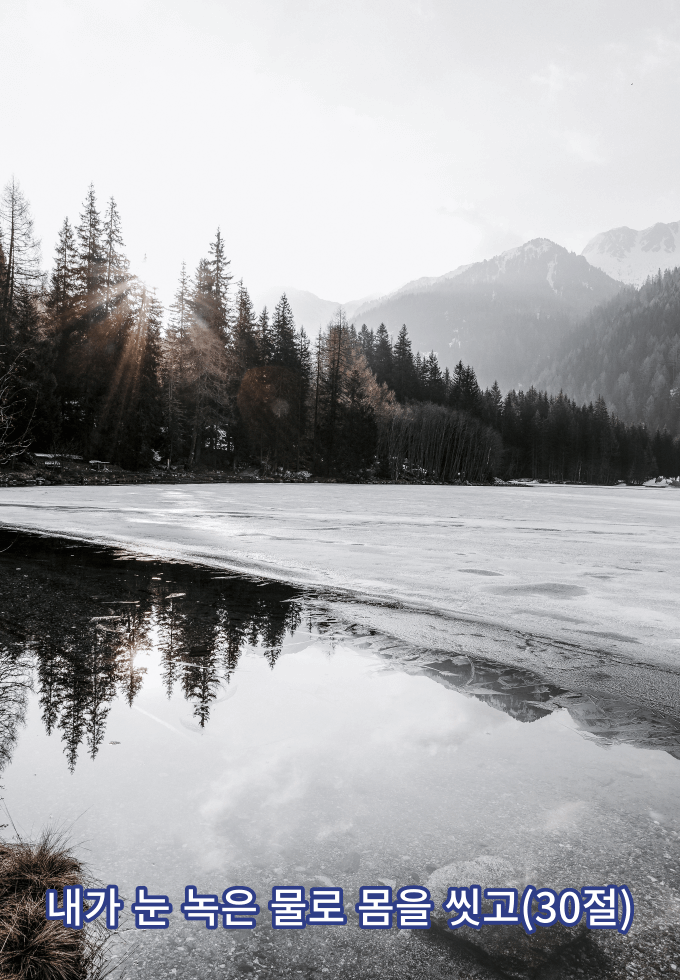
(343, 147)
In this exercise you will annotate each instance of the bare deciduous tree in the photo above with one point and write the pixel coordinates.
(12, 443)
(19, 251)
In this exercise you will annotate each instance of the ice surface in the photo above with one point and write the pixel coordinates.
(584, 588)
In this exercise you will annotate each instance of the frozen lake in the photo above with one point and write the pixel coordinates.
(410, 684)
(581, 583)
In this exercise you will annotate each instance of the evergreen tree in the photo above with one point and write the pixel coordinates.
(366, 339)
(403, 369)
(382, 357)
(179, 322)
(102, 352)
(211, 390)
(304, 359)
(218, 265)
(63, 292)
(493, 405)
(92, 257)
(175, 362)
(334, 355)
(303, 354)
(64, 321)
(265, 340)
(202, 299)
(283, 330)
(434, 382)
(116, 265)
(38, 413)
(420, 367)
(131, 418)
(465, 393)
(244, 340)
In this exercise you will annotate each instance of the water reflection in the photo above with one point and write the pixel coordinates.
(527, 698)
(78, 623)
(14, 689)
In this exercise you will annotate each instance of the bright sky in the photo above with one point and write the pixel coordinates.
(343, 146)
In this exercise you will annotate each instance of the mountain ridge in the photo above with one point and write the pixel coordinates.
(632, 256)
(503, 315)
(627, 351)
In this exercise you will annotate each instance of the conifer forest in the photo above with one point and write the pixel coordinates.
(92, 365)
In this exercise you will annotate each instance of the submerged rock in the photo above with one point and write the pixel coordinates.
(487, 871)
(506, 948)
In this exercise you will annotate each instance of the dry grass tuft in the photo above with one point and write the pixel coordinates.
(31, 948)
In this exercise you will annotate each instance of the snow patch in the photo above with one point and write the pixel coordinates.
(632, 256)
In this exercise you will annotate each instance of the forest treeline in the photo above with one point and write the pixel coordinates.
(92, 365)
(628, 351)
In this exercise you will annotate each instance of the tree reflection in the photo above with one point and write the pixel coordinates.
(76, 626)
(201, 641)
(133, 634)
(14, 689)
(84, 650)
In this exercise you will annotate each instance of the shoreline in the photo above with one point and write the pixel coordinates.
(83, 475)
(565, 583)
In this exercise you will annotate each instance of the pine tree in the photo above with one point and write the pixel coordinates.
(130, 423)
(176, 358)
(244, 339)
(304, 358)
(63, 293)
(283, 330)
(382, 358)
(92, 257)
(304, 355)
(603, 443)
(420, 369)
(319, 354)
(336, 351)
(366, 340)
(39, 416)
(85, 344)
(265, 340)
(179, 322)
(211, 396)
(465, 393)
(403, 368)
(218, 265)
(116, 265)
(493, 406)
(64, 321)
(202, 297)
(434, 382)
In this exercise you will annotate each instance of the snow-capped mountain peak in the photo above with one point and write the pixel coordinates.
(632, 256)
(540, 266)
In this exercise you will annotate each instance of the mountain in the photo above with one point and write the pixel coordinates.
(628, 351)
(310, 311)
(631, 256)
(504, 315)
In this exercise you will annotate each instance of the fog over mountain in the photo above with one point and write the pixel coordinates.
(310, 311)
(532, 315)
(503, 315)
(631, 256)
(628, 351)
